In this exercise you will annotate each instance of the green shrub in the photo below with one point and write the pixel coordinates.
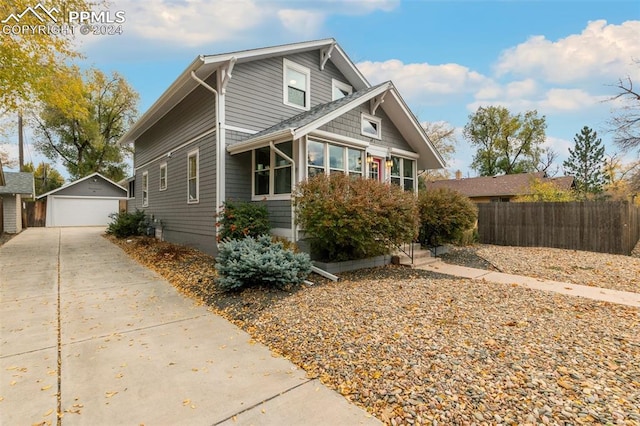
(444, 216)
(259, 261)
(240, 220)
(125, 224)
(348, 219)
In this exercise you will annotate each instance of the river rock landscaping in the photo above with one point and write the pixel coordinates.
(414, 347)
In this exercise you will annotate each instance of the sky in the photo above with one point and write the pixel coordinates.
(447, 58)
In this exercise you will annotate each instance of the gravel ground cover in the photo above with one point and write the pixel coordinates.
(610, 271)
(413, 347)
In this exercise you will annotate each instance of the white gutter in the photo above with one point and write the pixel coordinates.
(218, 147)
(294, 231)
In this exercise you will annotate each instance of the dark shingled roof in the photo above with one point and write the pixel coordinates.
(498, 186)
(18, 183)
(313, 114)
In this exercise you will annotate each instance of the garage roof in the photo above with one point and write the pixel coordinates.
(93, 176)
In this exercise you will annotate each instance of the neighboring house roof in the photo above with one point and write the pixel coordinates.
(75, 182)
(205, 65)
(564, 182)
(18, 183)
(306, 122)
(491, 186)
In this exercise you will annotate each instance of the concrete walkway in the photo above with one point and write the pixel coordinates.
(596, 293)
(87, 332)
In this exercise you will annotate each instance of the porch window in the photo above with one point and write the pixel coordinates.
(371, 126)
(145, 189)
(402, 173)
(296, 85)
(262, 170)
(354, 157)
(325, 157)
(315, 158)
(163, 176)
(193, 177)
(271, 171)
(340, 89)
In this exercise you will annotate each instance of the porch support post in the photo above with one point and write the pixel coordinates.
(294, 233)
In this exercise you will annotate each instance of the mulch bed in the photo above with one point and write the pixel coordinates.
(412, 347)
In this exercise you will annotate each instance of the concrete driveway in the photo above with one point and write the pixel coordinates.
(89, 333)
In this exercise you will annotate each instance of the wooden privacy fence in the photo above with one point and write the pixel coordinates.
(605, 227)
(36, 213)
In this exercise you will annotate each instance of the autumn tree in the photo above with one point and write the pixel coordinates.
(29, 58)
(546, 191)
(586, 163)
(442, 136)
(621, 177)
(626, 119)
(506, 143)
(45, 177)
(82, 121)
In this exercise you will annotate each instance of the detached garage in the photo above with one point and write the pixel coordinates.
(86, 202)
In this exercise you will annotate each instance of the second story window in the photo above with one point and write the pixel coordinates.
(296, 85)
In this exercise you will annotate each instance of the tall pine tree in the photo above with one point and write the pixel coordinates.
(586, 163)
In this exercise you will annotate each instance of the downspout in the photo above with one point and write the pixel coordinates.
(294, 231)
(218, 147)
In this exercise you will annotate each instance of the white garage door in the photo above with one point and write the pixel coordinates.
(81, 211)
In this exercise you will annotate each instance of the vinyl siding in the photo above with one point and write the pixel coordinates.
(194, 115)
(238, 170)
(254, 94)
(100, 188)
(12, 215)
(279, 213)
(348, 124)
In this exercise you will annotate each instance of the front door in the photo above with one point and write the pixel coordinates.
(375, 169)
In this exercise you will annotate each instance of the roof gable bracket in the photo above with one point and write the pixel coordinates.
(376, 102)
(227, 68)
(325, 54)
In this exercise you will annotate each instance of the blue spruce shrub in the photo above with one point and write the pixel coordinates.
(259, 261)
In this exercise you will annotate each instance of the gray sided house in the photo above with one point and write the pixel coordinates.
(14, 187)
(250, 125)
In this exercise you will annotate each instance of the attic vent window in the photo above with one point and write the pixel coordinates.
(340, 89)
(371, 126)
(296, 85)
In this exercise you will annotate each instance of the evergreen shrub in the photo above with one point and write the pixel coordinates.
(125, 224)
(259, 261)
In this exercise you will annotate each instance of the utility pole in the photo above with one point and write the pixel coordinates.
(20, 143)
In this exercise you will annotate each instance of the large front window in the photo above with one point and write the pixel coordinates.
(193, 188)
(272, 171)
(324, 157)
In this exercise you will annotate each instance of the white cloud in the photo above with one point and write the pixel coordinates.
(189, 22)
(304, 23)
(423, 80)
(600, 51)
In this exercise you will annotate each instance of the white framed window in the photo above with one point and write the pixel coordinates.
(193, 177)
(328, 158)
(271, 171)
(403, 173)
(296, 85)
(145, 188)
(163, 176)
(371, 126)
(340, 89)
